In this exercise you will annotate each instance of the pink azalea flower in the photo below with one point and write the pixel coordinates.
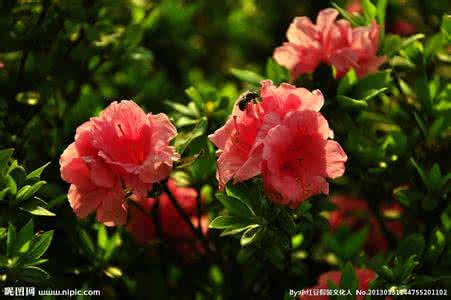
(122, 148)
(298, 157)
(303, 52)
(364, 276)
(332, 42)
(240, 140)
(285, 139)
(365, 42)
(143, 228)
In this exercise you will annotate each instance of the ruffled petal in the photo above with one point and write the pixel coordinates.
(335, 160)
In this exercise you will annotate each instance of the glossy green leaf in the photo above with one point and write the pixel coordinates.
(87, 244)
(349, 280)
(36, 207)
(235, 206)
(33, 274)
(5, 155)
(223, 222)
(27, 191)
(36, 174)
(24, 237)
(247, 76)
(250, 236)
(412, 245)
(195, 95)
(238, 228)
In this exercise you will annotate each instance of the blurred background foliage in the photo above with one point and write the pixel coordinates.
(62, 61)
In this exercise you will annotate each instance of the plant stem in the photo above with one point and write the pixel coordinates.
(197, 231)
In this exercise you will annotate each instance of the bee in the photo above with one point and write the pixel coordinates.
(247, 97)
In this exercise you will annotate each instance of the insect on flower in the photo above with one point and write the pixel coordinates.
(247, 97)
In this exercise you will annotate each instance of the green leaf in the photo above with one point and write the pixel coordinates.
(216, 274)
(36, 174)
(410, 40)
(276, 72)
(347, 82)
(433, 45)
(38, 262)
(197, 131)
(411, 245)
(21, 193)
(133, 35)
(38, 247)
(391, 44)
(373, 93)
(404, 62)
(5, 156)
(11, 184)
(223, 222)
(102, 237)
(349, 280)
(436, 247)
(114, 242)
(354, 20)
(296, 241)
(346, 101)
(250, 236)
(387, 273)
(183, 109)
(286, 222)
(446, 26)
(36, 207)
(184, 121)
(403, 268)
(33, 274)
(375, 81)
(437, 127)
(3, 233)
(369, 10)
(235, 206)
(87, 244)
(18, 173)
(435, 176)
(381, 8)
(23, 236)
(422, 92)
(420, 123)
(237, 228)
(3, 193)
(13, 166)
(28, 191)
(11, 241)
(420, 171)
(355, 242)
(249, 194)
(247, 76)
(194, 95)
(188, 160)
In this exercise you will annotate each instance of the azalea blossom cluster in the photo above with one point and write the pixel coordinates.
(285, 139)
(331, 42)
(145, 228)
(122, 151)
(356, 214)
